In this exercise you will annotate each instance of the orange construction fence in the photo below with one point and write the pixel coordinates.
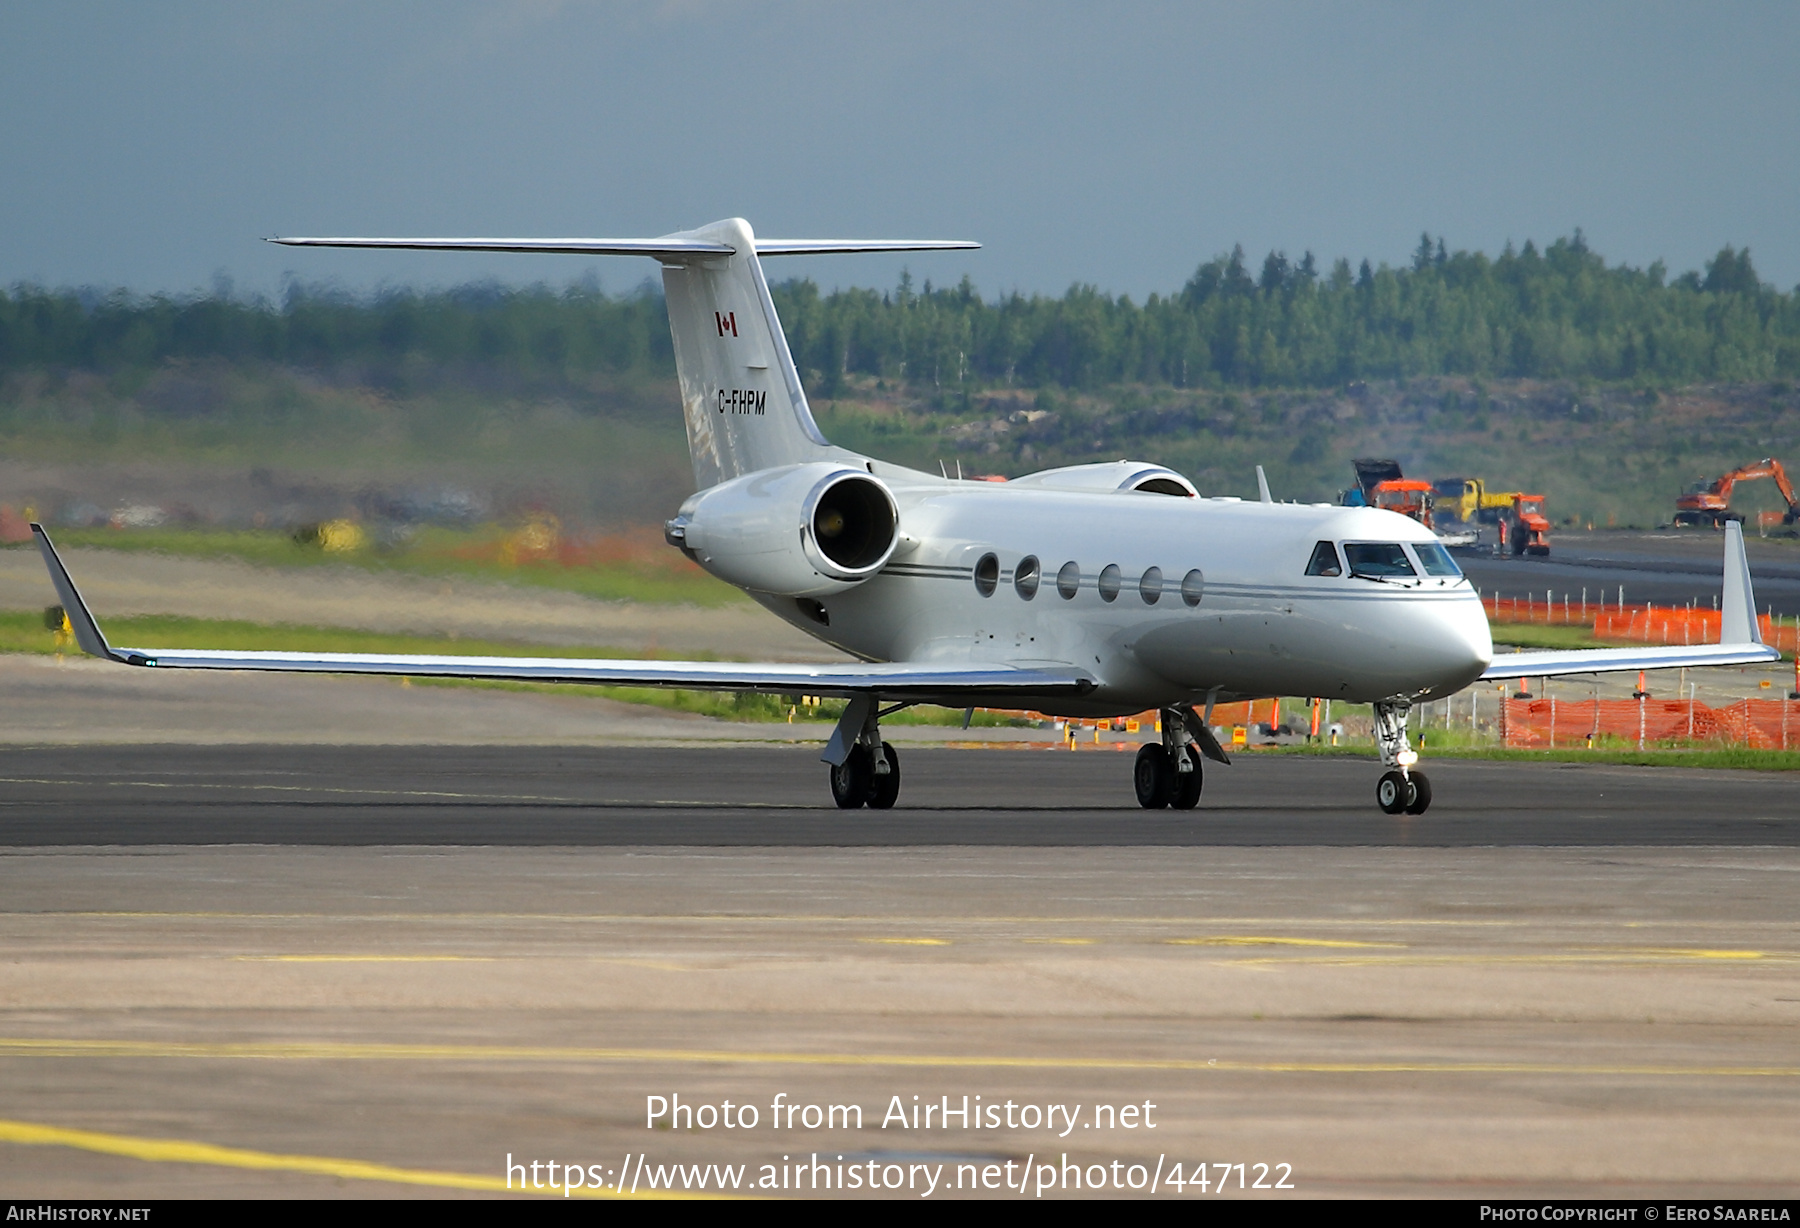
(1634, 624)
(1763, 724)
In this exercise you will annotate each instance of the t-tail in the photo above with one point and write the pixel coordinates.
(740, 392)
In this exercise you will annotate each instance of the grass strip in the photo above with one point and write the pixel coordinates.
(436, 552)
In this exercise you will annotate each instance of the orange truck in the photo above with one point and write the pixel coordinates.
(1526, 529)
(1379, 483)
(1709, 503)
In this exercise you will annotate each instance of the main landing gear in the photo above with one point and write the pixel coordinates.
(1401, 790)
(865, 771)
(1168, 773)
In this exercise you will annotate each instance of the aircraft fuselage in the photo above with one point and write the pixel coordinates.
(1261, 626)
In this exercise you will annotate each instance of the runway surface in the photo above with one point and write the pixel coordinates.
(740, 796)
(365, 971)
(1671, 567)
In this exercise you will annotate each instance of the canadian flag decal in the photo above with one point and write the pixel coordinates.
(727, 322)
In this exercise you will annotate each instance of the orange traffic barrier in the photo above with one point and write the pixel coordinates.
(1545, 724)
(1634, 624)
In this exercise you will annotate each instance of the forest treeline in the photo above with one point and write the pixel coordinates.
(1558, 313)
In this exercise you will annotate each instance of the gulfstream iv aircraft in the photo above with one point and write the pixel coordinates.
(1087, 591)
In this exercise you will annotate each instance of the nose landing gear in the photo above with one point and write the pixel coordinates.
(1401, 789)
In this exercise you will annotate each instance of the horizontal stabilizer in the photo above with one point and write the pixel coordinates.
(669, 248)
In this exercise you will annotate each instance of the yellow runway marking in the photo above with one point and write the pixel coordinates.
(343, 1051)
(1700, 953)
(367, 959)
(182, 1151)
(1233, 940)
(1586, 957)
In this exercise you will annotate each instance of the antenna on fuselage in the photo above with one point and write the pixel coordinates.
(1262, 486)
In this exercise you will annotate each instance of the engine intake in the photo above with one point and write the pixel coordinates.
(853, 522)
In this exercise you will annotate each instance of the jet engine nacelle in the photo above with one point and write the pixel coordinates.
(798, 531)
(1105, 477)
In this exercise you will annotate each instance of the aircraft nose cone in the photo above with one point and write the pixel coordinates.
(1463, 646)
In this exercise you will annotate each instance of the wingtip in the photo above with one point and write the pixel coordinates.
(1737, 599)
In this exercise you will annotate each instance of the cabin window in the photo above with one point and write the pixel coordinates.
(1378, 560)
(1068, 580)
(1111, 581)
(1324, 561)
(1026, 577)
(987, 574)
(1193, 587)
(1150, 587)
(1435, 559)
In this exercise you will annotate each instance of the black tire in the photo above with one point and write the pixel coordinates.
(1150, 775)
(1186, 794)
(850, 779)
(1392, 793)
(885, 789)
(1421, 801)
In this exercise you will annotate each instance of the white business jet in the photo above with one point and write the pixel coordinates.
(1086, 591)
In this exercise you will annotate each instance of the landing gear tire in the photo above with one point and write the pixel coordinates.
(1186, 794)
(886, 788)
(1394, 793)
(851, 779)
(1421, 801)
(1152, 776)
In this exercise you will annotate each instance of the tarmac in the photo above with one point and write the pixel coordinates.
(363, 971)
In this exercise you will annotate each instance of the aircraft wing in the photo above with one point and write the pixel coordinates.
(1740, 642)
(894, 680)
(1551, 663)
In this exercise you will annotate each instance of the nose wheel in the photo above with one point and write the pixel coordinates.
(1403, 792)
(1401, 789)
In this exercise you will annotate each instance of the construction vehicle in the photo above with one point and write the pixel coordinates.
(1380, 483)
(1521, 524)
(1525, 530)
(1709, 503)
(1469, 501)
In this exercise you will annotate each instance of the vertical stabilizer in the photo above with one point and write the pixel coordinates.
(740, 393)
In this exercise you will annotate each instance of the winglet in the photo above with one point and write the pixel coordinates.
(1737, 604)
(87, 631)
(1262, 486)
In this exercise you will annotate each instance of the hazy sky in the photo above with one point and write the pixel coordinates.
(151, 145)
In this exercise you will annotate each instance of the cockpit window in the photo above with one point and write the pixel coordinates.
(1378, 559)
(1435, 559)
(1324, 561)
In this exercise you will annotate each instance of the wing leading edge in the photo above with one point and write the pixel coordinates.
(896, 681)
(1740, 641)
